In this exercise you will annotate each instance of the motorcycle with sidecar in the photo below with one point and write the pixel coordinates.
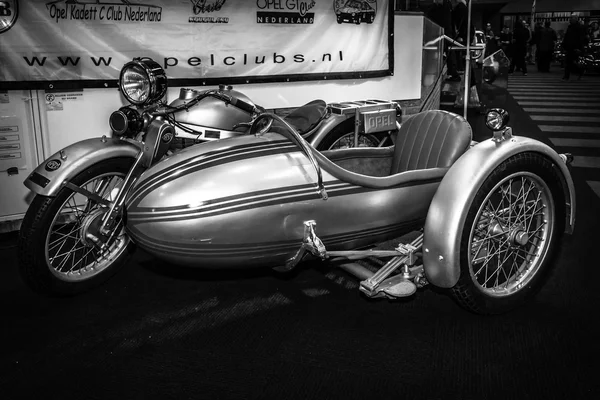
(483, 219)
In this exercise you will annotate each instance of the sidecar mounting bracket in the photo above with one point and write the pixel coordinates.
(380, 284)
(310, 244)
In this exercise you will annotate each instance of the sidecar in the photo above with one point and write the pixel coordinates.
(488, 216)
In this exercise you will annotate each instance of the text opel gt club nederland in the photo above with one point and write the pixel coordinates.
(285, 12)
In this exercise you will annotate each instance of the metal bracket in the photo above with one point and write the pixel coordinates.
(371, 286)
(86, 193)
(502, 135)
(310, 244)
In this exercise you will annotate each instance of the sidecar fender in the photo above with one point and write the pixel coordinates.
(49, 176)
(454, 196)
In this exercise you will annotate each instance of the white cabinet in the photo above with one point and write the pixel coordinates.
(18, 150)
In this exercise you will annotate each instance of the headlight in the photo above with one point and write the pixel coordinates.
(126, 121)
(496, 119)
(143, 81)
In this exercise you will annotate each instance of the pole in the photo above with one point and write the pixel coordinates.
(533, 15)
(468, 64)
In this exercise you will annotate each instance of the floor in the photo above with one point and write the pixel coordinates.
(156, 331)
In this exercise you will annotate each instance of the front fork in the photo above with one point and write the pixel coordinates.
(157, 141)
(109, 219)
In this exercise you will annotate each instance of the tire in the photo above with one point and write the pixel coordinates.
(343, 137)
(53, 224)
(509, 240)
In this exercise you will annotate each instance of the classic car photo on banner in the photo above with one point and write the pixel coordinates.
(85, 40)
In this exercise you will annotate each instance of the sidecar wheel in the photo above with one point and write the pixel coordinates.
(510, 235)
(342, 137)
(55, 255)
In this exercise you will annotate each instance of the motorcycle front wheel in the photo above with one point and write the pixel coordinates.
(59, 253)
(510, 235)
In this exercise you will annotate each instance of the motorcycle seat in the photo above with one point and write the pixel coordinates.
(306, 118)
(426, 147)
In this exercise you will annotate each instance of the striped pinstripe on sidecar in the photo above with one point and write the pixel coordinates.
(242, 202)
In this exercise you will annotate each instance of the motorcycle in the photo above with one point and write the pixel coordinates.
(588, 59)
(483, 219)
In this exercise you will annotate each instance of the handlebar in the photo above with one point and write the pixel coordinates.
(218, 94)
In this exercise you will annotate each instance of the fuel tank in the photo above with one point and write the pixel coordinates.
(242, 202)
(211, 112)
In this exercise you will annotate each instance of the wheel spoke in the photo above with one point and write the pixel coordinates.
(516, 206)
(70, 255)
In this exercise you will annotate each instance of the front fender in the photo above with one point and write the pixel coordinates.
(48, 177)
(454, 196)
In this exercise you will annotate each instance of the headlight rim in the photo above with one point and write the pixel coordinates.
(500, 116)
(156, 76)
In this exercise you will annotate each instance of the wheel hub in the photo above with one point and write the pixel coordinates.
(516, 235)
(90, 228)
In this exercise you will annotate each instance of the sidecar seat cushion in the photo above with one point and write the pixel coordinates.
(430, 139)
(307, 117)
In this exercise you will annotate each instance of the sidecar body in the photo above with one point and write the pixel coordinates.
(244, 201)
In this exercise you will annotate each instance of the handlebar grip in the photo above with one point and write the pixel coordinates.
(243, 105)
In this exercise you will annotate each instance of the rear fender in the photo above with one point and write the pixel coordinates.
(49, 176)
(454, 196)
(326, 127)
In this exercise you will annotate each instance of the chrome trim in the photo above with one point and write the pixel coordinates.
(451, 203)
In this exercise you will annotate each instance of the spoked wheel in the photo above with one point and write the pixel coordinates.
(61, 248)
(510, 233)
(342, 137)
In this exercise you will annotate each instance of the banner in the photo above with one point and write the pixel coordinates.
(86, 42)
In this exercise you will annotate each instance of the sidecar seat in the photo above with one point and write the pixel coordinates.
(426, 146)
(430, 139)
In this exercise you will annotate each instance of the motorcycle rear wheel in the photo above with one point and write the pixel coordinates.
(510, 235)
(56, 256)
(342, 137)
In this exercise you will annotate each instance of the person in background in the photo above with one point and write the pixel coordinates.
(535, 41)
(572, 44)
(441, 13)
(521, 37)
(594, 31)
(506, 41)
(546, 43)
(491, 40)
(460, 18)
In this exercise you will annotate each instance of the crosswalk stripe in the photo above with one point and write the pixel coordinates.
(556, 79)
(564, 118)
(561, 110)
(595, 105)
(588, 87)
(570, 129)
(586, 162)
(553, 93)
(540, 97)
(568, 142)
(595, 185)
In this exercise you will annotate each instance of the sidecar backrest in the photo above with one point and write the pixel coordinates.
(430, 139)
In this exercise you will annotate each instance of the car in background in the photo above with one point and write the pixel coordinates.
(356, 11)
(480, 40)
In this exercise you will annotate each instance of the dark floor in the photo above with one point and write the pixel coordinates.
(153, 332)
